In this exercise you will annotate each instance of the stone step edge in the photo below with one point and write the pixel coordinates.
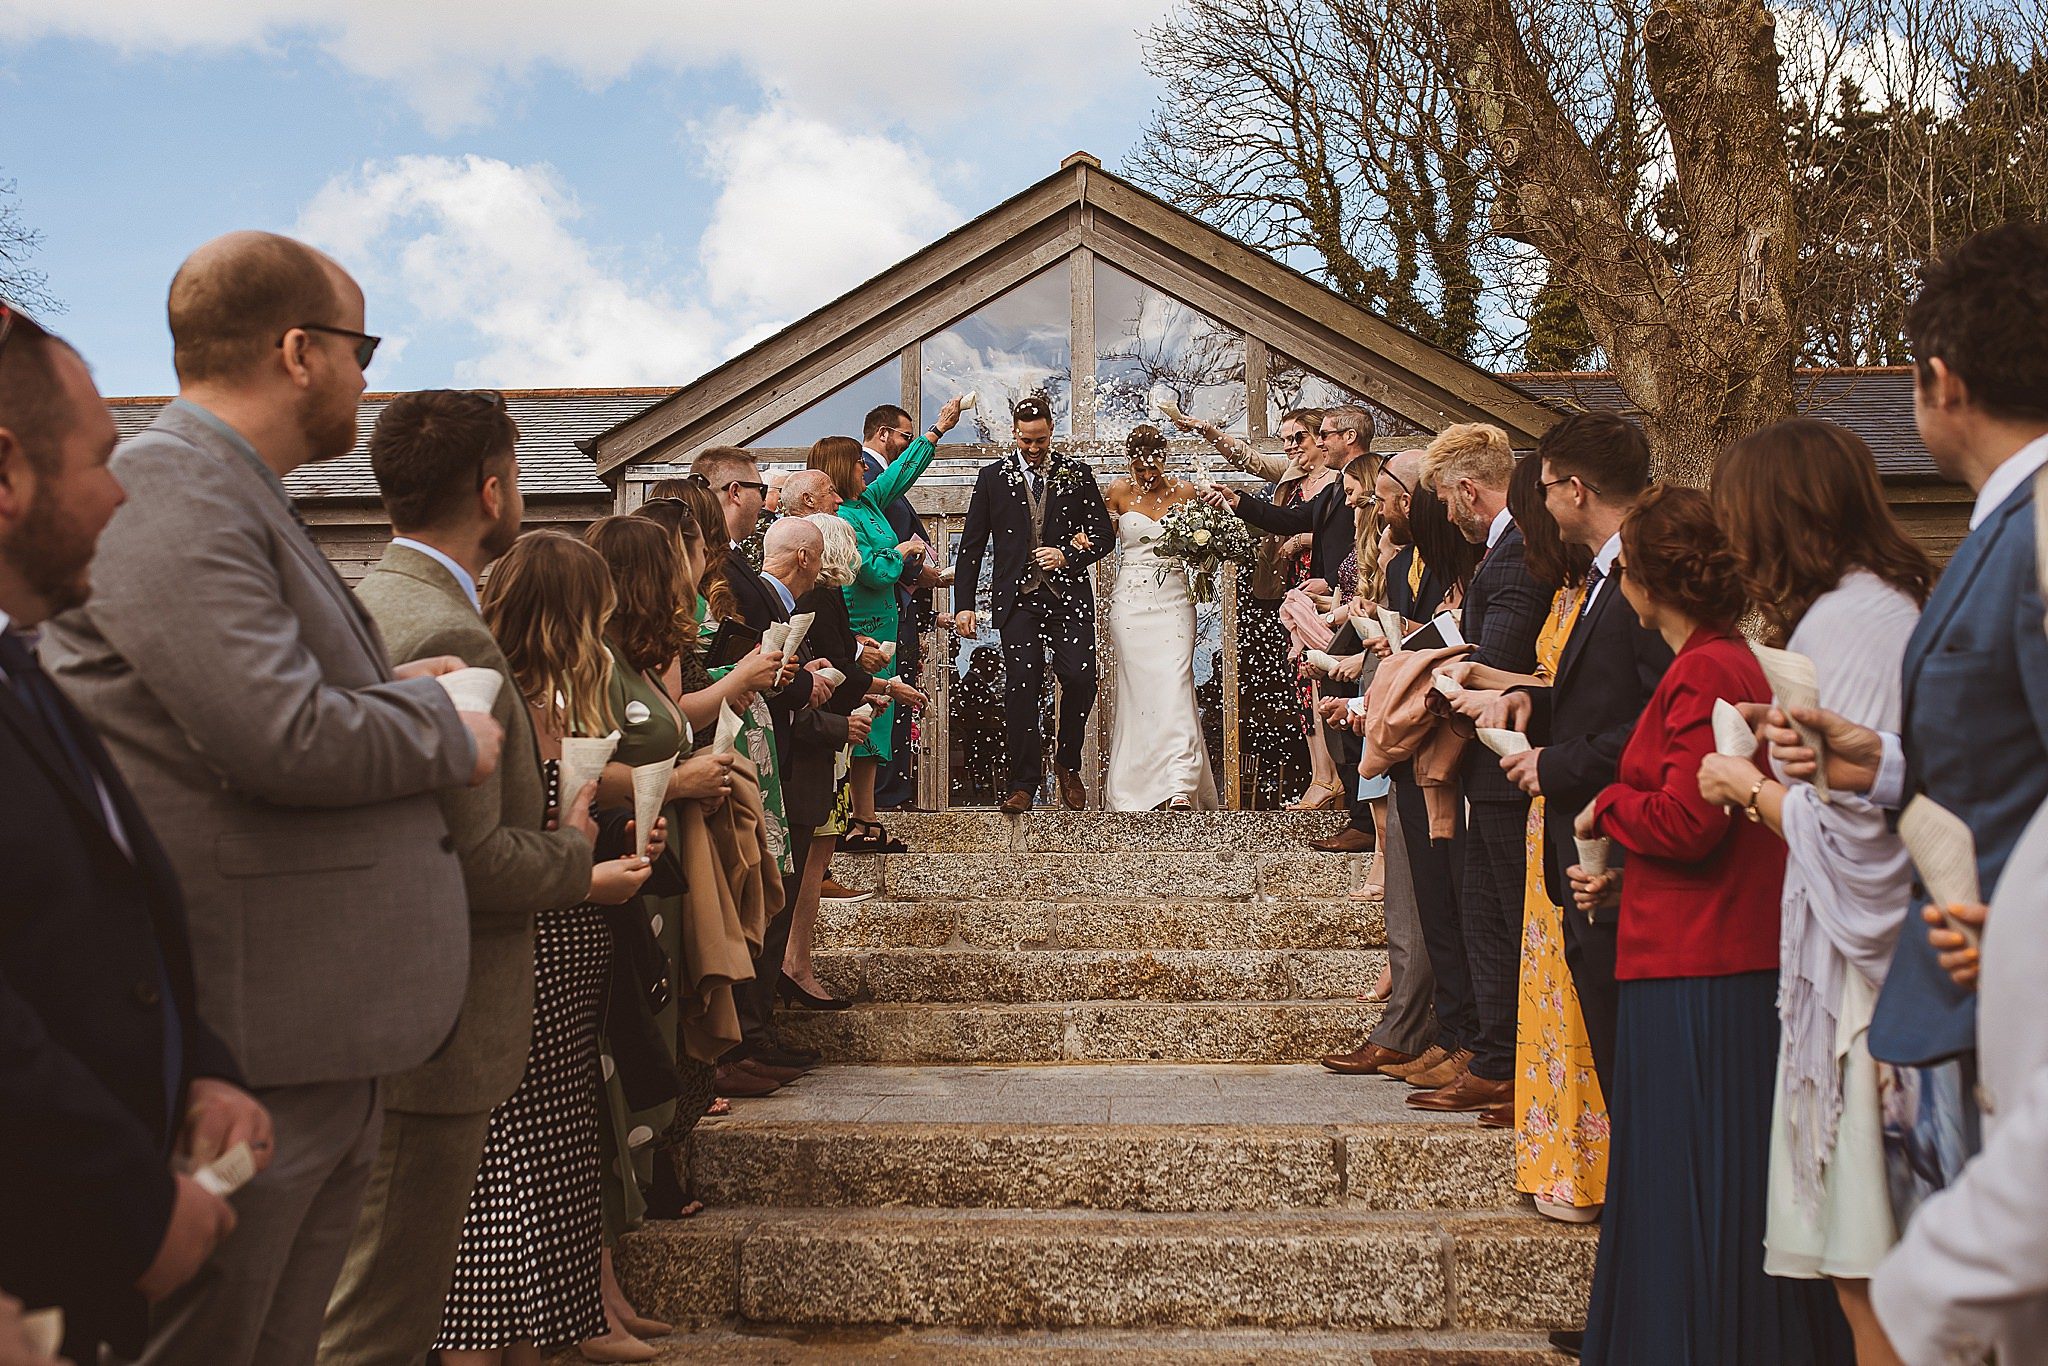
(786, 1345)
(1049, 1007)
(855, 1164)
(693, 1270)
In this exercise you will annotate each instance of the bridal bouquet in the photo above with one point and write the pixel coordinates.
(1200, 540)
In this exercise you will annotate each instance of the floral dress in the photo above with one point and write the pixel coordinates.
(1560, 1115)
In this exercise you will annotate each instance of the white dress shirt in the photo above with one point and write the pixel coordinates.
(1501, 521)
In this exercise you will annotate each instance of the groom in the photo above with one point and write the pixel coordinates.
(1050, 525)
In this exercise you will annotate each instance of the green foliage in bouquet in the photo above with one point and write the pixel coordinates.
(1201, 539)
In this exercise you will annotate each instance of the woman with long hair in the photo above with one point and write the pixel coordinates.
(871, 601)
(1837, 579)
(528, 1274)
(1680, 1276)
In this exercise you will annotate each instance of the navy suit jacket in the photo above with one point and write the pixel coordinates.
(1583, 720)
(1503, 615)
(91, 938)
(1976, 740)
(1001, 510)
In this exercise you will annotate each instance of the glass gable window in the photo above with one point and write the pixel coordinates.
(1018, 343)
(1146, 338)
(839, 413)
(1290, 384)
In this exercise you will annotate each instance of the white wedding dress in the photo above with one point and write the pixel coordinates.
(1156, 751)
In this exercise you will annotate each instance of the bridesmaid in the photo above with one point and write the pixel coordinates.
(871, 599)
(528, 1271)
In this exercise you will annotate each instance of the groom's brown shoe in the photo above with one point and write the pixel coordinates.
(1016, 804)
(1072, 794)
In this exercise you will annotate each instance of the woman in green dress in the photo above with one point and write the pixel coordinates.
(871, 599)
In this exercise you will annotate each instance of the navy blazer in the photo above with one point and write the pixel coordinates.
(1611, 665)
(1327, 518)
(1001, 509)
(90, 940)
(1976, 740)
(1503, 615)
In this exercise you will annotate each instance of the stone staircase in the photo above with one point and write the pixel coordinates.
(1070, 1120)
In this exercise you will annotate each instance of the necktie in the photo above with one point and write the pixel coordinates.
(1037, 487)
(1593, 578)
(39, 695)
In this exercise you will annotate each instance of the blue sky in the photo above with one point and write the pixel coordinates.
(533, 193)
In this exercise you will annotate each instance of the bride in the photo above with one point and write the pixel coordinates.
(1156, 754)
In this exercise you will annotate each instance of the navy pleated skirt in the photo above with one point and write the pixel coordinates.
(1680, 1279)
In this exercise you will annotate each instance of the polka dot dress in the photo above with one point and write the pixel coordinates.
(528, 1268)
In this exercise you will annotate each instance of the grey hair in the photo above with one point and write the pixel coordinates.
(1349, 417)
(842, 551)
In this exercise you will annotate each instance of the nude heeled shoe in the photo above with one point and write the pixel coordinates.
(1329, 798)
(616, 1346)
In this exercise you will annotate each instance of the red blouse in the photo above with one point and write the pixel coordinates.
(1699, 897)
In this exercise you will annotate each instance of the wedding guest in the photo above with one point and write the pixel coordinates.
(886, 433)
(820, 755)
(1678, 1276)
(246, 697)
(1595, 466)
(1558, 1113)
(1447, 561)
(810, 492)
(1838, 580)
(872, 602)
(448, 475)
(525, 1270)
(1469, 465)
(1974, 733)
(1408, 1027)
(107, 1072)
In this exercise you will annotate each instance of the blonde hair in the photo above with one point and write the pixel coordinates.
(547, 602)
(1478, 451)
(841, 559)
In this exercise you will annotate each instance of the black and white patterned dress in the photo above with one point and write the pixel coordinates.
(528, 1268)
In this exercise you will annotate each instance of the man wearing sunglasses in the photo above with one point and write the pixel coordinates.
(289, 770)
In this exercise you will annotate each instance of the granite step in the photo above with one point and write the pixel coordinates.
(1272, 1031)
(1318, 1269)
(1055, 829)
(1167, 923)
(784, 1346)
(978, 976)
(1074, 875)
(1151, 1138)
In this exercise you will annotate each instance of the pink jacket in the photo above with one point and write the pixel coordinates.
(1400, 724)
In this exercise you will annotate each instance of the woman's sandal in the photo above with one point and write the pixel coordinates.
(1308, 801)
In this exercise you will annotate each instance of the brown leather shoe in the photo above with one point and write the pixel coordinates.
(1466, 1094)
(738, 1081)
(1072, 794)
(1016, 804)
(1401, 1071)
(831, 889)
(781, 1076)
(1500, 1116)
(1366, 1060)
(1444, 1073)
(1345, 841)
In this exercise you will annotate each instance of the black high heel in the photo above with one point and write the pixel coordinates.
(797, 996)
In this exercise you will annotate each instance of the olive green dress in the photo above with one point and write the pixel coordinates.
(649, 731)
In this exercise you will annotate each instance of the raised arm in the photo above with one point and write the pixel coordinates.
(186, 592)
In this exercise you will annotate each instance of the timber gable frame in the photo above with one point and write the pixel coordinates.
(1079, 213)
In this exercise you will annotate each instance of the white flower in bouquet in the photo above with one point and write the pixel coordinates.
(1200, 540)
(1203, 537)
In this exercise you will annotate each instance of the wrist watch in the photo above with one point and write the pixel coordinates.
(934, 434)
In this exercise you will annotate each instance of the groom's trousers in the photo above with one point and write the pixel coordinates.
(1039, 624)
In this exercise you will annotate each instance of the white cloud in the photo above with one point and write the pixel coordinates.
(809, 211)
(482, 245)
(924, 64)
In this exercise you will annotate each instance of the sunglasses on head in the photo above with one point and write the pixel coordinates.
(365, 347)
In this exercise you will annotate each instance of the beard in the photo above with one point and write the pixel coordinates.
(53, 556)
(328, 424)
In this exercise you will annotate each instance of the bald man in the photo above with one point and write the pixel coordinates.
(808, 492)
(288, 769)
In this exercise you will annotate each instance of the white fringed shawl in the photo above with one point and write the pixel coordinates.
(1848, 879)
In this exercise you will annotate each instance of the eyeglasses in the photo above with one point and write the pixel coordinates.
(1546, 485)
(761, 489)
(366, 345)
(1620, 569)
(1297, 439)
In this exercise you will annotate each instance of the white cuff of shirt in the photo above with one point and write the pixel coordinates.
(1888, 789)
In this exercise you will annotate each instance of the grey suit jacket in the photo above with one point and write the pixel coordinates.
(246, 698)
(1971, 1272)
(511, 866)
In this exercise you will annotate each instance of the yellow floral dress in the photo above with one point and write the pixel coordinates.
(1560, 1115)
